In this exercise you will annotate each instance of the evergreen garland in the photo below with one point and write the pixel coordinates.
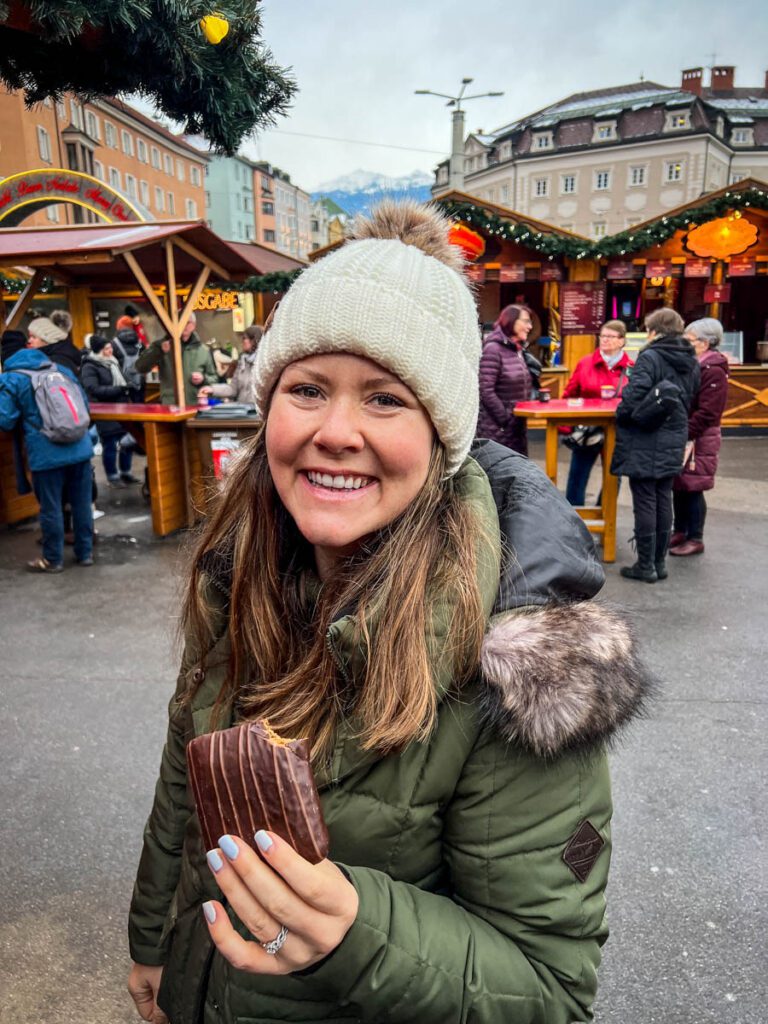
(16, 285)
(277, 281)
(154, 48)
(553, 244)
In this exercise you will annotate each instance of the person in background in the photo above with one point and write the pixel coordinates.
(128, 348)
(651, 433)
(197, 365)
(505, 379)
(58, 346)
(138, 326)
(103, 381)
(607, 367)
(58, 470)
(239, 387)
(704, 439)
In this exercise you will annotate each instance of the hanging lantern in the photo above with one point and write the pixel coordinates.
(470, 242)
(723, 237)
(215, 27)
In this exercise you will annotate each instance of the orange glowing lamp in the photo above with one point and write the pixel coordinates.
(470, 242)
(721, 238)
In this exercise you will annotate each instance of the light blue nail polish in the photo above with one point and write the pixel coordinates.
(215, 863)
(262, 840)
(229, 846)
(210, 912)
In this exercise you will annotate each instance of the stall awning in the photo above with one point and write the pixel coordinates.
(267, 260)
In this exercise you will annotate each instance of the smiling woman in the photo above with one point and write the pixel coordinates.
(352, 588)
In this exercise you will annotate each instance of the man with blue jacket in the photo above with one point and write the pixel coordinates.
(56, 468)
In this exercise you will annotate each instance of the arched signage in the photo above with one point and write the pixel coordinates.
(23, 194)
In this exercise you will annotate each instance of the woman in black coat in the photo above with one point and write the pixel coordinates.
(103, 381)
(651, 433)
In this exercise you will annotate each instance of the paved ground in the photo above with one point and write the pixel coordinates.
(88, 665)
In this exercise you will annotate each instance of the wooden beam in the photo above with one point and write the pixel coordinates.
(190, 250)
(178, 363)
(193, 296)
(148, 291)
(24, 300)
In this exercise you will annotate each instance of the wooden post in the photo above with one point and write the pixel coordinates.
(718, 275)
(178, 364)
(79, 301)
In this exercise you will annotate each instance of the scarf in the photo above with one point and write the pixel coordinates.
(610, 361)
(113, 366)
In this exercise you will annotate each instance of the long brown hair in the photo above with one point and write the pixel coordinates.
(282, 664)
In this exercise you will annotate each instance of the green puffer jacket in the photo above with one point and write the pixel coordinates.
(195, 358)
(481, 885)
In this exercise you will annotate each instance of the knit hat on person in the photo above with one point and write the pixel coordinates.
(393, 293)
(124, 323)
(97, 343)
(131, 311)
(11, 343)
(46, 330)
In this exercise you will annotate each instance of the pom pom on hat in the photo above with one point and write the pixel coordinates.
(393, 293)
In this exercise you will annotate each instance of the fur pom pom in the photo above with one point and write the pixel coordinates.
(411, 223)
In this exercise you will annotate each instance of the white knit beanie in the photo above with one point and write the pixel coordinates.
(393, 293)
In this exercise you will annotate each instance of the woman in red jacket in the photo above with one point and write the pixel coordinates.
(606, 367)
(704, 439)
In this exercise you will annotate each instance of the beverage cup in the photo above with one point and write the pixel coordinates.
(607, 391)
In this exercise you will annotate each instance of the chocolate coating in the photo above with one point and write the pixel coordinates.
(243, 781)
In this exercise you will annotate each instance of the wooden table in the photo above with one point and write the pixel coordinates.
(596, 412)
(159, 429)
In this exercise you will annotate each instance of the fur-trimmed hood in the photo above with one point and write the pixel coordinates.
(562, 677)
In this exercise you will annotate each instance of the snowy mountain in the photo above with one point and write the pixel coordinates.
(359, 191)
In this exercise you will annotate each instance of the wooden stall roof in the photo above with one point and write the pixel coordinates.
(268, 260)
(91, 253)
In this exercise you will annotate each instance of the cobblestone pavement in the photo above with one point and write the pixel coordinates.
(88, 666)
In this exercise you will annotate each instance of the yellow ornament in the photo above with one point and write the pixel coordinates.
(215, 27)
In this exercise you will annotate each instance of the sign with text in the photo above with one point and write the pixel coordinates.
(551, 272)
(22, 194)
(697, 268)
(582, 307)
(658, 268)
(623, 270)
(717, 293)
(512, 273)
(475, 272)
(742, 266)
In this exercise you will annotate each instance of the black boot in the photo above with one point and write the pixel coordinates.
(644, 568)
(662, 545)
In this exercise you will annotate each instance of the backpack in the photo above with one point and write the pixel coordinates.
(60, 403)
(128, 363)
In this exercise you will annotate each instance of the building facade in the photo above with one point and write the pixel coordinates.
(283, 210)
(229, 198)
(155, 170)
(598, 162)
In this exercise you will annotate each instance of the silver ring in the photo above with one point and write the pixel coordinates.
(277, 943)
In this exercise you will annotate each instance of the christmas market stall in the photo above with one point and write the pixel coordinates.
(162, 259)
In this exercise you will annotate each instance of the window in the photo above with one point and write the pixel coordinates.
(98, 170)
(637, 175)
(266, 183)
(114, 178)
(739, 175)
(542, 140)
(603, 131)
(194, 175)
(742, 136)
(144, 192)
(171, 203)
(506, 151)
(491, 195)
(44, 144)
(541, 186)
(249, 231)
(92, 125)
(673, 170)
(52, 213)
(191, 209)
(504, 194)
(180, 170)
(207, 200)
(159, 199)
(61, 109)
(130, 186)
(269, 235)
(127, 142)
(141, 151)
(77, 115)
(602, 180)
(677, 121)
(168, 164)
(154, 156)
(598, 229)
(268, 209)
(567, 184)
(110, 135)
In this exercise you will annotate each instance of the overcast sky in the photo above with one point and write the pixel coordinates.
(358, 62)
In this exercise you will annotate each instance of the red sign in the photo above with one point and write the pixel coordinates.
(551, 272)
(475, 272)
(742, 266)
(620, 270)
(582, 307)
(697, 268)
(658, 268)
(717, 293)
(512, 273)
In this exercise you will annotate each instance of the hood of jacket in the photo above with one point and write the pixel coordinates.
(28, 359)
(675, 351)
(498, 335)
(715, 358)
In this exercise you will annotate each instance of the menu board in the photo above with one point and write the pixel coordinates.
(512, 273)
(698, 268)
(582, 307)
(476, 272)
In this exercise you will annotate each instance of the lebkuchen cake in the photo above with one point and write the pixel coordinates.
(248, 778)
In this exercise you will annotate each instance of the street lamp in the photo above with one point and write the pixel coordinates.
(456, 163)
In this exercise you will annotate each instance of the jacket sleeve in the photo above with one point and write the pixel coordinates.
(518, 938)
(149, 358)
(9, 407)
(209, 369)
(641, 380)
(573, 388)
(490, 368)
(711, 403)
(223, 391)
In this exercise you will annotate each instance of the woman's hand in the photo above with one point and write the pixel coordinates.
(315, 902)
(207, 390)
(143, 983)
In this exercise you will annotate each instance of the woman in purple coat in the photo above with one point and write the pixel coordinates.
(505, 379)
(703, 439)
